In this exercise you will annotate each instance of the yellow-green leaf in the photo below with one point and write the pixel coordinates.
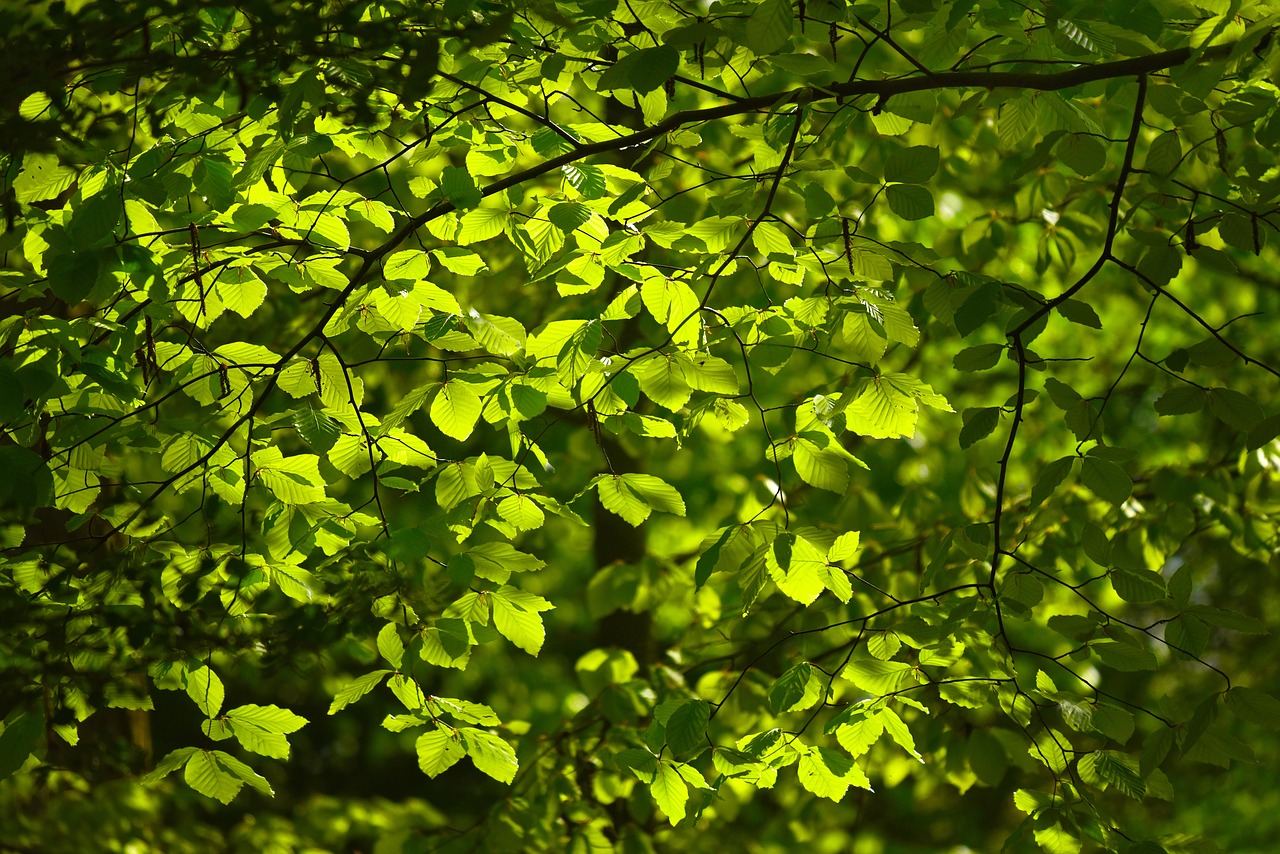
(456, 409)
(670, 793)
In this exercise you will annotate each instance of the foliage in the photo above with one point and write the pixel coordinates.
(805, 423)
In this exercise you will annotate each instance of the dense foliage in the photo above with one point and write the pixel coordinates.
(792, 424)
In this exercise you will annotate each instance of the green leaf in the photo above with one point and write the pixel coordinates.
(482, 224)
(644, 70)
(1181, 400)
(459, 188)
(438, 751)
(515, 615)
(978, 424)
(1022, 588)
(1031, 802)
(1079, 312)
(324, 230)
(1097, 547)
(687, 727)
(1138, 585)
(1017, 119)
(910, 201)
(828, 774)
(294, 480)
(1084, 154)
(1114, 769)
(979, 358)
(355, 689)
(205, 688)
(569, 216)
(913, 165)
(987, 757)
(34, 105)
(463, 710)
(316, 428)
(877, 677)
(217, 775)
(1047, 748)
(708, 559)
(635, 496)
(522, 511)
(898, 731)
(1123, 656)
(390, 647)
(1055, 840)
(1050, 479)
(671, 302)
(670, 793)
(845, 547)
(1164, 154)
(1106, 480)
(978, 307)
(587, 180)
(1235, 409)
(42, 177)
(241, 291)
(21, 735)
(1115, 723)
(271, 718)
(1064, 396)
(1228, 619)
(1255, 706)
(640, 762)
(172, 761)
(768, 29)
(789, 689)
(496, 561)
(796, 566)
(820, 467)
(860, 735)
(456, 409)
(889, 405)
(294, 582)
(261, 729)
(1266, 431)
(770, 240)
(711, 374)
(490, 754)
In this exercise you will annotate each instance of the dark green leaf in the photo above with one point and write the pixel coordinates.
(22, 732)
(1079, 312)
(1254, 706)
(910, 201)
(687, 727)
(316, 428)
(978, 424)
(708, 559)
(1123, 656)
(1106, 480)
(1234, 408)
(1050, 478)
(977, 308)
(1181, 400)
(653, 67)
(769, 26)
(913, 165)
(978, 358)
(1082, 153)
(789, 688)
(1138, 585)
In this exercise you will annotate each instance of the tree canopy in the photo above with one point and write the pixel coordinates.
(569, 426)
